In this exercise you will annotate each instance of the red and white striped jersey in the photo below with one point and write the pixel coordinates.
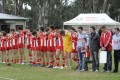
(33, 42)
(14, 39)
(28, 38)
(43, 40)
(38, 40)
(51, 40)
(59, 40)
(9, 42)
(3, 42)
(0, 41)
(74, 40)
(87, 53)
(21, 38)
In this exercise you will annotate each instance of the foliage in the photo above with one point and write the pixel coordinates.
(55, 12)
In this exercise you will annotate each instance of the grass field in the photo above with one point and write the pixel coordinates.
(27, 72)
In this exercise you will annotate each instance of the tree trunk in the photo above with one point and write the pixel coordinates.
(104, 6)
(3, 6)
(16, 3)
(39, 16)
(94, 6)
(109, 6)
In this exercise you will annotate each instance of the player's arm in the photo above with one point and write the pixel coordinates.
(108, 41)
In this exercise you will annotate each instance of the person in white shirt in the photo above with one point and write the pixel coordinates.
(116, 47)
(81, 35)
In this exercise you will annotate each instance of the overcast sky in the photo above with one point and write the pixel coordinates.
(70, 1)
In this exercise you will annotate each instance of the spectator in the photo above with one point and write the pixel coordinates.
(105, 44)
(81, 34)
(116, 47)
(94, 47)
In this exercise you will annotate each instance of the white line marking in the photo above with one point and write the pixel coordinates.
(6, 78)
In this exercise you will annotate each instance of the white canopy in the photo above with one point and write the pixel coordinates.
(92, 19)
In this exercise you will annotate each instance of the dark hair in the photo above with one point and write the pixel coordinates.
(93, 27)
(12, 30)
(47, 29)
(20, 28)
(71, 28)
(80, 27)
(31, 30)
(37, 30)
(42, 29)
(4, 33)
(117, 29)
(52, 27)
(62, 32)
(34, 33)
(103, 27)
(56, 27)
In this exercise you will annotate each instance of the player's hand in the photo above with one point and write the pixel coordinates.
(103, 48)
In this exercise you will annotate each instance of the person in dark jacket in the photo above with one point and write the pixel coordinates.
(94, 48)
(100, 32)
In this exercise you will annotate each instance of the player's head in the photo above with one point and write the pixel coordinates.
(80, 29)
(20, 28)
(34, 33)
(62, 33)
(103, 28)
(57, 28)
(47, 29)
(41, 29)
(31, 30)
(51, 28)
(116, 30)
(38, 30)
(12, 30)
(4, 33)
(92, 29)
(72, 30)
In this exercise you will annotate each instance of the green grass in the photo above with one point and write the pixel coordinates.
(27, 72)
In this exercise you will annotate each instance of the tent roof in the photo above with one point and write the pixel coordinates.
(92, 19)
(11, 17)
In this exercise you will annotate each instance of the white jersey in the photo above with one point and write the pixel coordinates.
(116, 42)
(80, 39)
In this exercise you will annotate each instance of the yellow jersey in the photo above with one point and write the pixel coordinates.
(67, 42)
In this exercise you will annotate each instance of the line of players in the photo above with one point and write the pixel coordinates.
(45, 46)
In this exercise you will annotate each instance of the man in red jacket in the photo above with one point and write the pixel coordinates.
(105, 44)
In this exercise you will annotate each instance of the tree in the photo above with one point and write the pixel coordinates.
(55, 12)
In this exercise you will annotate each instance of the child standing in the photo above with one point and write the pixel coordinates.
(86, 52)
